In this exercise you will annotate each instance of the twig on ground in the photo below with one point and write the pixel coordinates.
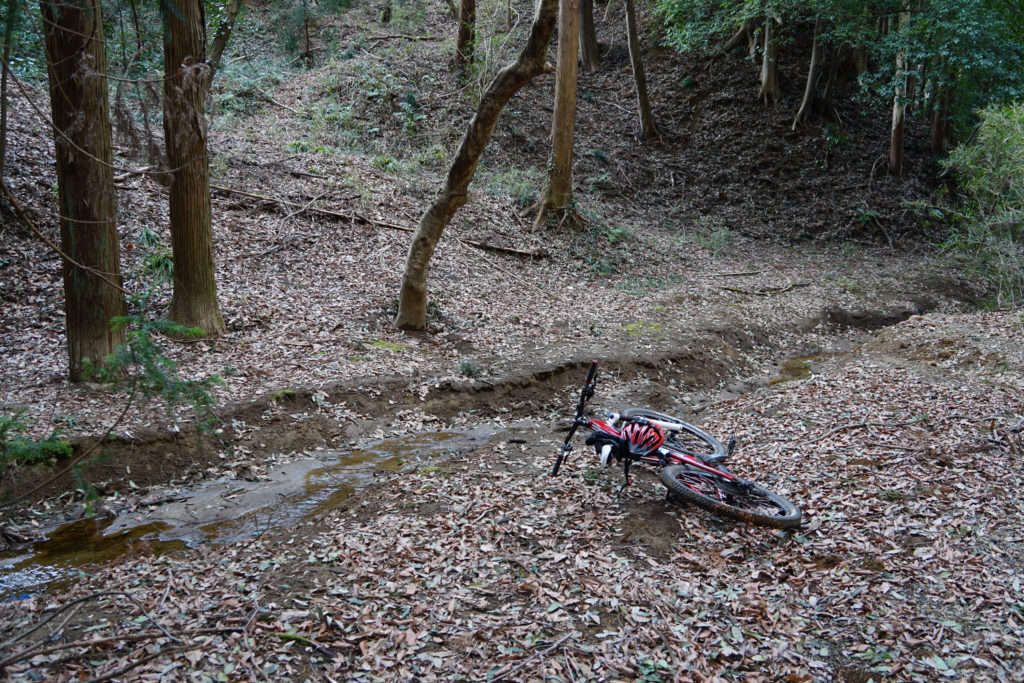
(768, 291)
(402, 36)
(532, 657)
(131, 665)
(859, 425)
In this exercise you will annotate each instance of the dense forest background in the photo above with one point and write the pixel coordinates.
(866, 124)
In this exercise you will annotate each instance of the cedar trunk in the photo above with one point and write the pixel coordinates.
(186, 80)
(563, 121)
(467, 34)
(649, 130)
(85, 179)
(412, 301)
(590, 55)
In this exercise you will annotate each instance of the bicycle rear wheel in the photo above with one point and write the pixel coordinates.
(745, 501)
(689, 439)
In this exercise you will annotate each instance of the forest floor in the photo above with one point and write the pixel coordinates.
(769, 283)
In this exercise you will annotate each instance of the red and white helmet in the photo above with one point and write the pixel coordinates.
(643, 437)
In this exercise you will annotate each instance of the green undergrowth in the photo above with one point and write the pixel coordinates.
(987, 238)
(17, 449)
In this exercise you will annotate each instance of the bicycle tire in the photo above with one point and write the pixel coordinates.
(747, 503)
(689, 439)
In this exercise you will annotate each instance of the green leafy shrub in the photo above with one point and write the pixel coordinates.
(988, 231)
(17, 449)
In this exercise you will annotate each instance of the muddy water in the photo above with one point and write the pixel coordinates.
(220, 511)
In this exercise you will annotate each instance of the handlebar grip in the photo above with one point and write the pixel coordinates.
(592, 372)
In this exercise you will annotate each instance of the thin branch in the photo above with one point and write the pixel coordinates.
(131, 665)
(532, 657)
(32, 226)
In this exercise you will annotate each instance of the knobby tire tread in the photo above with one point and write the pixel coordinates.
(788, 520)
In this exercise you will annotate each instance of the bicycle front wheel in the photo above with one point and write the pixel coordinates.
(745, 501)
(688, 439)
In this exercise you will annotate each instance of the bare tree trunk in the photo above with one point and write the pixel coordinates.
(412, 301)
(860, 59)
(833, 73)
(899, 104)
(812, 77)
(941, 129)
(648, 127)
(85, 179)
(769, 68)
(741, 36)
(220, 39)
(590, 54)
(186, 81)
(11, 16)
(466, 36)
(563, 120)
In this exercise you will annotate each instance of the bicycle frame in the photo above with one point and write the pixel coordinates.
(665, 455)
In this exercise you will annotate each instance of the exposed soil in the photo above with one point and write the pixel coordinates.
(701, 266)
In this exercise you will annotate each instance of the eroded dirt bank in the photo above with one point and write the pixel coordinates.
(904, 454)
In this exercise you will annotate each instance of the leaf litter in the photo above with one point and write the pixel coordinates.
(481, 567)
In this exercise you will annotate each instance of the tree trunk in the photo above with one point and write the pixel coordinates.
(220, 39)
(769, 65)
(563, 121)
(186, 80)
(941, 129)
(860, 59)
(12, 17)
(85, 179)
(648, 127)
(741, 36)
(812, 77)
(467, 35)
(899, 104)
(833, 72)
(412, 301)
(590, 54)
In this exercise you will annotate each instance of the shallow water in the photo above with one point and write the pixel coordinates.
(220, 511)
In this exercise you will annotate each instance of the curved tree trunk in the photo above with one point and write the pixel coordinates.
(194, 300)
(590, 55)
(649, 130)
(741, 36)
(769, 68)
(220, 39)
(466, 36)
(412, 301)
(812, 77)
(563, 120)
(85, 178)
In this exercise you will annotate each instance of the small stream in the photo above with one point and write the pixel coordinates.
(219, 511)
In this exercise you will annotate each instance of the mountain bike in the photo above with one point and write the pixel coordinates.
(689, 461)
